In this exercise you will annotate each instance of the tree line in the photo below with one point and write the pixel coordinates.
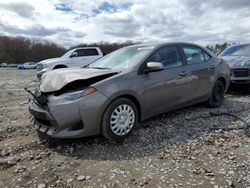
(217, 48)
(19, 50)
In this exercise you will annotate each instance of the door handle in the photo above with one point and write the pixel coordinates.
(211, 67)
(184, 73)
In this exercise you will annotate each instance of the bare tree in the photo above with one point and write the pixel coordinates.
(20, 50)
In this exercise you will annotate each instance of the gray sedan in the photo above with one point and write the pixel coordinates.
(132, 84)
(238, 58)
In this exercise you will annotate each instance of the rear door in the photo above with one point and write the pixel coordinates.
(84, 57)
(201, 65)
(170, 87)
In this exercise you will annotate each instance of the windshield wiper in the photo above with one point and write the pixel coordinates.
(99, 68)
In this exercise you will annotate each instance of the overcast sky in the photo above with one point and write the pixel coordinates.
(70, 22)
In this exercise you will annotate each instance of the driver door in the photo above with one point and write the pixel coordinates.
(169, 88)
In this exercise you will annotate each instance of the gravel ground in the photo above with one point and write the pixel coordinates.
(176, 149)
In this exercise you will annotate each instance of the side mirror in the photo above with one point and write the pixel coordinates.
(153, 67)
(74, 54)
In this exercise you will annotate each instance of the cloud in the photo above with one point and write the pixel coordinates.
(22, 9)
(232, 4)
(34, 30)
(121, 25)
(69, 22)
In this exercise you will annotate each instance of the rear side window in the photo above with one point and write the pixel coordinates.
(194, 55)
(90, 52)
(86, 52)
(169, 56)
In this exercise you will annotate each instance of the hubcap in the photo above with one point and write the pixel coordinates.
(122, 119)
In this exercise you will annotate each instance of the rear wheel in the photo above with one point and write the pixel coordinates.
(119, 119)
(217, 95)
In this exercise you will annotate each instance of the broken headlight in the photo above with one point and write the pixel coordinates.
(78, 94)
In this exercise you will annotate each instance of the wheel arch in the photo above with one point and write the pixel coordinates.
(130, 97)
(59, 66)
(223, 80)
(135, 101)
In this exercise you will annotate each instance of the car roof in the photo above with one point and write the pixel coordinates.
(158, 44)
(86, 47)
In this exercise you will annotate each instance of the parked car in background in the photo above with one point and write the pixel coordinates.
(77, 57)
(238, 58)
(4, 64)
(12, 65)
(28, 65)
(111, 95)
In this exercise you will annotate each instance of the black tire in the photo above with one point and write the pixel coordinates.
(217, 95)
(106, 120)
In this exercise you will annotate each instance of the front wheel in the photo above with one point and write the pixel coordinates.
(217, 95)
(119, 119)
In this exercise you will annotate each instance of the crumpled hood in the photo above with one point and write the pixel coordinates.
(57, 79)
(232, 61)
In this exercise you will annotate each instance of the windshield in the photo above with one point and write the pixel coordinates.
(240, 50)
(67, 54)
(123, 58)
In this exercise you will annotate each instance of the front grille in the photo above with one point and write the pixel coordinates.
(241, 72)
(42, 100)
(44, 122)
(39, 115)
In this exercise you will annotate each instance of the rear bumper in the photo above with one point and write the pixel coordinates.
(69, 119)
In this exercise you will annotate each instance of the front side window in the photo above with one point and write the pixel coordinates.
(193, 55)
(67, 54)
(79, 53)
(168, 56)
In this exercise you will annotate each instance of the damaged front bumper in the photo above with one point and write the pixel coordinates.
(43, 120)
(69, 119)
